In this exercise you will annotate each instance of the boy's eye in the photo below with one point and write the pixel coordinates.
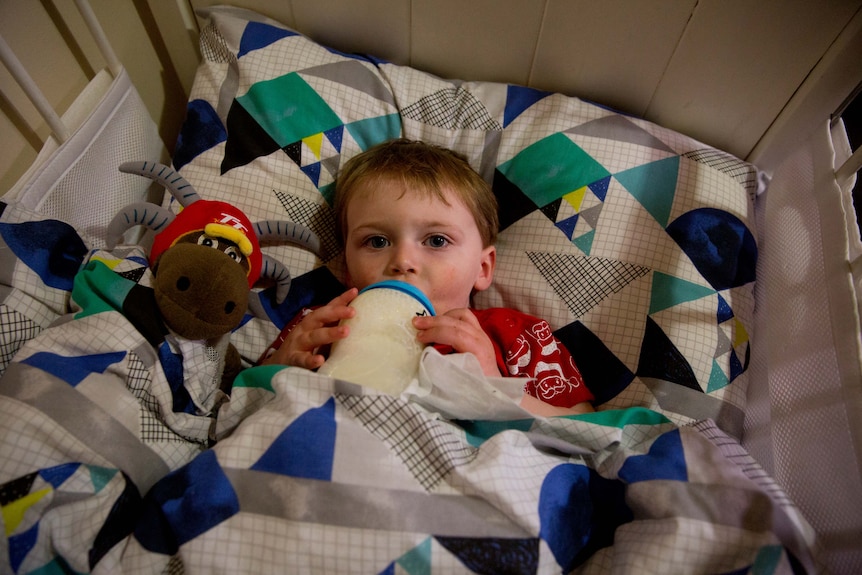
(438, 241)
(377, 242)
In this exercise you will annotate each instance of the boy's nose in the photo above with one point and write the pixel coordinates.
(403, 261)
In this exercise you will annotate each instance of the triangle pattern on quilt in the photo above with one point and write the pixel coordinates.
(480, 555)
(306, 447)
(355, 75)
(654, 186)
(519, 99)
(452, 109)
(416, 561)
(668, 291)
(661, 359)
(603, 372)
(258, 35)
(619, 128)
(552, 167)
(583, 282)
(578, 214)
(732, 350)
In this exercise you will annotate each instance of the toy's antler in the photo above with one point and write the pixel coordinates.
(157, 218)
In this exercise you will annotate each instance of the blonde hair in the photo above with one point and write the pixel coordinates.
(425, 168)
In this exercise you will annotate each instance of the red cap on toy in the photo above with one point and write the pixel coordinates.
(217, 219)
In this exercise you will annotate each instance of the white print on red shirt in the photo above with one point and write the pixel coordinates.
(551, 380)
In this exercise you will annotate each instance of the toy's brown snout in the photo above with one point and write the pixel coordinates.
(201, 292)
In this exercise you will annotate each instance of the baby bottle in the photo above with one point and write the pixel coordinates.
(381, 350)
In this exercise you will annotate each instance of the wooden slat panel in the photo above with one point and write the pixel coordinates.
(488, 40)
(613, 52)
(738, 64)
(376, 27)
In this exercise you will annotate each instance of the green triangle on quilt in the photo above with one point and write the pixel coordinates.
(718, 379)
(551, 168)
(100, 476)
(654, 186)
(288, 109)
(584, 241)
(417, 561)
(668, 291)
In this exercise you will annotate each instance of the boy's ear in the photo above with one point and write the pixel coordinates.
(486, 269)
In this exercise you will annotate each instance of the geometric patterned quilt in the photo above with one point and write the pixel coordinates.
(298, 472)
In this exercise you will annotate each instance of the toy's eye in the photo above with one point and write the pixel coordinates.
(234, 254)
(208, 242)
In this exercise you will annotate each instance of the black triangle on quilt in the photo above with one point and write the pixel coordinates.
(246, 139)
(660, 359)
(604, 374)
(513, 203)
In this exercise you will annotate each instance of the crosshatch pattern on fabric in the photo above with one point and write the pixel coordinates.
(635, 242)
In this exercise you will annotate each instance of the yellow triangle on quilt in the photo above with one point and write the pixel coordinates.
(314, 143)
(13, 513)
(740, 333)
(576, 198)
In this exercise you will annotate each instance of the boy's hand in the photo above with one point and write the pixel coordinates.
(317, 329)
(460, 329)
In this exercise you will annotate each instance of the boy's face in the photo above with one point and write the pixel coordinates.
(419, 240)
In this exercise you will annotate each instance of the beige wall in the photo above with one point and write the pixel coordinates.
(62, 58)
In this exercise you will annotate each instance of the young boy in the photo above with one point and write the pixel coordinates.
(419, 213)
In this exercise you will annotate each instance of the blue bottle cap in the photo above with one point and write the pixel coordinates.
(405, 288)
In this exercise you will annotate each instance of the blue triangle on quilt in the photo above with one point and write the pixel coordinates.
(579, 512)
(306, 447)
(201, 131)
(59, 473)
(660, 359)
(654, 186)
(20, 545)
(603, 372)
(258, 35)
(185, 503)
(723, 311)
(50, 248)
(567, 226)
(664, 460)
(313, 172)
(73, 370)
(600, 188)
(519, 99)
(736, 366)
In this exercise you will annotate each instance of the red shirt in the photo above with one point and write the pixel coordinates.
(525, 347)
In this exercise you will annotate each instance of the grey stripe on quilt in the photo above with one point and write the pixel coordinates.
(315, 501)
(86, 421)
